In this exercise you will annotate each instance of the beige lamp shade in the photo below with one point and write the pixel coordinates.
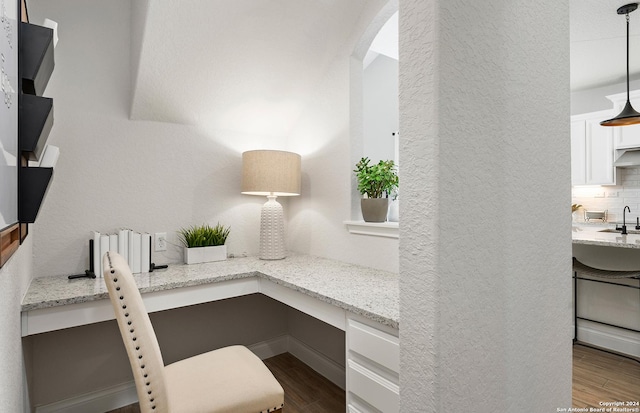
(266, 172)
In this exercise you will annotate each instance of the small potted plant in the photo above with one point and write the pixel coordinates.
(376, 182)
(574, 210)
(203, 243)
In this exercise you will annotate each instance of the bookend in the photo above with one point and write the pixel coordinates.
(90, 273)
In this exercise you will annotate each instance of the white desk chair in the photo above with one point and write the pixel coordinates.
(230, 380)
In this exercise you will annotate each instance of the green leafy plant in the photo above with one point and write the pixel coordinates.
(203, 235)
(376, 180)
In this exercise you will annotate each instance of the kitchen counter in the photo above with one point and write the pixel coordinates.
(590, 234)
(371, 293)
(601, 304)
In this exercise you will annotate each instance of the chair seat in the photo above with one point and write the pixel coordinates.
(230, 380)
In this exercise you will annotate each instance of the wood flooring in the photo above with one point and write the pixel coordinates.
(597, 377)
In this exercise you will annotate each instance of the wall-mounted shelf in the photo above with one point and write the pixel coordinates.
(34, 183)
(36, 120)
(36, 57)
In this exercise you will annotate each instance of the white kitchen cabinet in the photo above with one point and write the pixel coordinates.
(373, 367)
(592, 150)
(578, 153)
(625, 136)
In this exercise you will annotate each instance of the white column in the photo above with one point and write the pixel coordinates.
(485, 238)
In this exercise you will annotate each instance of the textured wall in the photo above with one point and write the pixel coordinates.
(15, 276)
(158, 177)
(485, 246)
(113, 172)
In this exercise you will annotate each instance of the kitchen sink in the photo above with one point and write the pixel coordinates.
(618, 231)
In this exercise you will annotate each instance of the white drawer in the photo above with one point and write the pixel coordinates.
(376, 345)
(372, 388)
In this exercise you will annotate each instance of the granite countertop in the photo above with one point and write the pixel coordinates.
(591, 234)
(371, 293)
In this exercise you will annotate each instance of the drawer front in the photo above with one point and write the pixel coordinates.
(375, 390)
(376, 345)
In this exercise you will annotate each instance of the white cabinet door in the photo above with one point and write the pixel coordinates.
(599, 153)
(373, 367)
(578, 153)
(592, 150)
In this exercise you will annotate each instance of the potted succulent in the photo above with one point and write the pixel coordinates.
(376, 182)
(203, 243)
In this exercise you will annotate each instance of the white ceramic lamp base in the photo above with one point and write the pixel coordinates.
(272, 230)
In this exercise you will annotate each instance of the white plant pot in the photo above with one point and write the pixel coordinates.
(394, 211)
(197, 255)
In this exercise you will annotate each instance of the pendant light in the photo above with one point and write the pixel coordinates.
(628, 116)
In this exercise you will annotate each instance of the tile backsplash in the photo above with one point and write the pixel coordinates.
(612, 198)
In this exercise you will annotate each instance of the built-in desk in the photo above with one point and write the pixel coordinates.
(361, 301)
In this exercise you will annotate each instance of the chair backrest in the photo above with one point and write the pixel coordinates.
(137, 334)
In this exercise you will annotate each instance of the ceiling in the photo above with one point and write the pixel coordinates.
(248, 66)
(598, 45)
(385, 43)
(253, 67)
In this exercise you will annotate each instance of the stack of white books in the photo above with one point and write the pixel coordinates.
(135, 247)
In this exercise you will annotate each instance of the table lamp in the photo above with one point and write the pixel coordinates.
(271, 174)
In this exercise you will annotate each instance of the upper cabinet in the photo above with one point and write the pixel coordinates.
(626, 136)
(578, 153)
(592, 150)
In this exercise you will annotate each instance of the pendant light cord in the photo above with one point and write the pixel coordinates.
(628, 115)
(627, 56)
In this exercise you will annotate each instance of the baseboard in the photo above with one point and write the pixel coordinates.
(270, 348)
(125, 394)
(328, 368)
(611, 338)
(95, 402)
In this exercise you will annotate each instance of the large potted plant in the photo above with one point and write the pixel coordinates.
(204, 243)
(375, 182)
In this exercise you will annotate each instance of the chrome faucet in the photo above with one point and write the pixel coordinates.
(624, 220)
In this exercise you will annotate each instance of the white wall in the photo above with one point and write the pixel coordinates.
(380, 105)
(113, 172)
(325, 138)
(15, 276)
(158, 177)
(485, 306)
(593, 100)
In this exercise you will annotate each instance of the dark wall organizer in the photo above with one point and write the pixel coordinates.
(35, 118)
